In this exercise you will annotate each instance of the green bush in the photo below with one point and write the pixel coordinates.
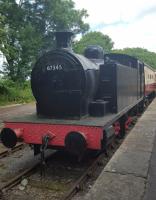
(3, 89)
(11, 92)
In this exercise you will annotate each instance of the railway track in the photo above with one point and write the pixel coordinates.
(92, 171)
(13, 150)
(16, 180)
(77, 183)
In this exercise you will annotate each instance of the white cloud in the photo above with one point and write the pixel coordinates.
(128, 23)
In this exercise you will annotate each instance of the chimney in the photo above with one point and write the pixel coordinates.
(63, 39)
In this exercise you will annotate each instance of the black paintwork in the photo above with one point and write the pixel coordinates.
(63, 39)
(67, 85)
(8, 137)
(121, 81)
(131, 62)
(75, 143)
(99, 108)
(94, 52)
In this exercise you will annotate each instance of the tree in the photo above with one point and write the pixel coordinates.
(2, 39)
(94, 38)
(19, 42)
(54, 15)
(2, 32)
(140, 53)
(29, 29)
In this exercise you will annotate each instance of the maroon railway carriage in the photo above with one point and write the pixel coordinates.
(150, 80)
(82, 102)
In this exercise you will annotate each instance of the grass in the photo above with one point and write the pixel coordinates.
(12, 93)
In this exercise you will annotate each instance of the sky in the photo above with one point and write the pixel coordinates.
(129, 23)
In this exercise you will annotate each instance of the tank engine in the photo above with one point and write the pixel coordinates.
(81, 101)
(68, 85)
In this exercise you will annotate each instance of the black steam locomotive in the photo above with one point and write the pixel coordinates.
(81, 101)
(68, 85)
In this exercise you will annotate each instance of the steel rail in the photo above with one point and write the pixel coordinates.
(85, 176)
(26, 173)
(14, 149)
